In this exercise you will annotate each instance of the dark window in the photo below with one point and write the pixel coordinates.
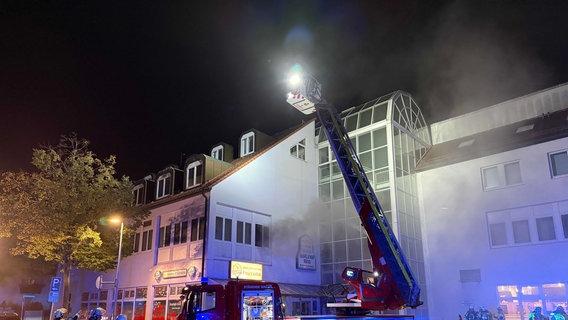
(177, 233)
(564, 218)
(161, 235)
(261, 236)
(545, 229)
(168, 236)
(194, 227)
(201, 228)
(219, 228)
(223, 229)
(137, 242)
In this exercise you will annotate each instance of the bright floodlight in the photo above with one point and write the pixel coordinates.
(295, 80)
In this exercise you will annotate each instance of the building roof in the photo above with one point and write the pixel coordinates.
(546, 127)
(502, 114)
(238, 163)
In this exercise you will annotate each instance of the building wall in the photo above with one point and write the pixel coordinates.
(464, 268)
(277, 190)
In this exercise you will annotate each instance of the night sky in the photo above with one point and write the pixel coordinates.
(148, 81)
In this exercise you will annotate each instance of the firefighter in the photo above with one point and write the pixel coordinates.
(559, 314)
(471, 314)
(536, 314)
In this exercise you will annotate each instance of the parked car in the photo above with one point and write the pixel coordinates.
(9, 315)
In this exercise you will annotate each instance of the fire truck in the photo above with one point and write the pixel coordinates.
(390, 286)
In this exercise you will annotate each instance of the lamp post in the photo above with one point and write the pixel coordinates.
(115, 302)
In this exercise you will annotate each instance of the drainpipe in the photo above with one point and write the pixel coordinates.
(205, 233)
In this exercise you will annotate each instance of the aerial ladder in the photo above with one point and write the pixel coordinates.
(395, 287)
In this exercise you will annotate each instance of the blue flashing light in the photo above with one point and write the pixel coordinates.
(204, 280)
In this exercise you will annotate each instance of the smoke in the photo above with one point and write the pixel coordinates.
(470, 59)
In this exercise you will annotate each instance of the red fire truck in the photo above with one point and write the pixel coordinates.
(392, 284)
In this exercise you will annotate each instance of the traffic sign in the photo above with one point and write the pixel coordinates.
(54, 289)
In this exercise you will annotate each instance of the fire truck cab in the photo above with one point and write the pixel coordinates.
(238, 299)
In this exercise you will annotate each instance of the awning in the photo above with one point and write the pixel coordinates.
(300, 290)
(288, 289)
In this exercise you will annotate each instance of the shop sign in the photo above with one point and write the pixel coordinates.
(177, 273)
(246, 270)
(306, 257)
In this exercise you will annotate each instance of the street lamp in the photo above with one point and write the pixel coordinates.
(117, 220)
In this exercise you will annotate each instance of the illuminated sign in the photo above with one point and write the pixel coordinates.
(246, 270)
(167, 274)
(306, 257)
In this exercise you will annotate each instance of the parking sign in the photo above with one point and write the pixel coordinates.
(54, 289)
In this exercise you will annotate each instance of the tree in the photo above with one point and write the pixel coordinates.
(57, 213)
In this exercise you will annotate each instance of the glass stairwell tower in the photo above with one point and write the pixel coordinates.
(390, 137)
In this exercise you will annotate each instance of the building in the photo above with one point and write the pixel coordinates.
(494, 192)
(479, 204)
(216, 216)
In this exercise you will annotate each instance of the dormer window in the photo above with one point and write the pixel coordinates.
(164, 185)
(194, 174)
(138, 195)
(217, 152)
(247, 144)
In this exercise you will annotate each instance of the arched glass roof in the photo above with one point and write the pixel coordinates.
(398, 106)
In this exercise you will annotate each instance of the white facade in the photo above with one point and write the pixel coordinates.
(496, 243)
(277, 190)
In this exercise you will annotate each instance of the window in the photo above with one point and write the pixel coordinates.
(138, 195)
(217, 153)
(136, 242)
(529, 225)
(521, 232)
(194, 174)
(498, 234)
(165, 236)
(299, 150)
(164, 185)
(197, 229)
(501, 175)
(564, 219)
(180, 232)
(147, 236)
(247, 144)
(261, 236)
(223, 229)
(147, 240)
(545, 229)
(244, 232)
(558, 163)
